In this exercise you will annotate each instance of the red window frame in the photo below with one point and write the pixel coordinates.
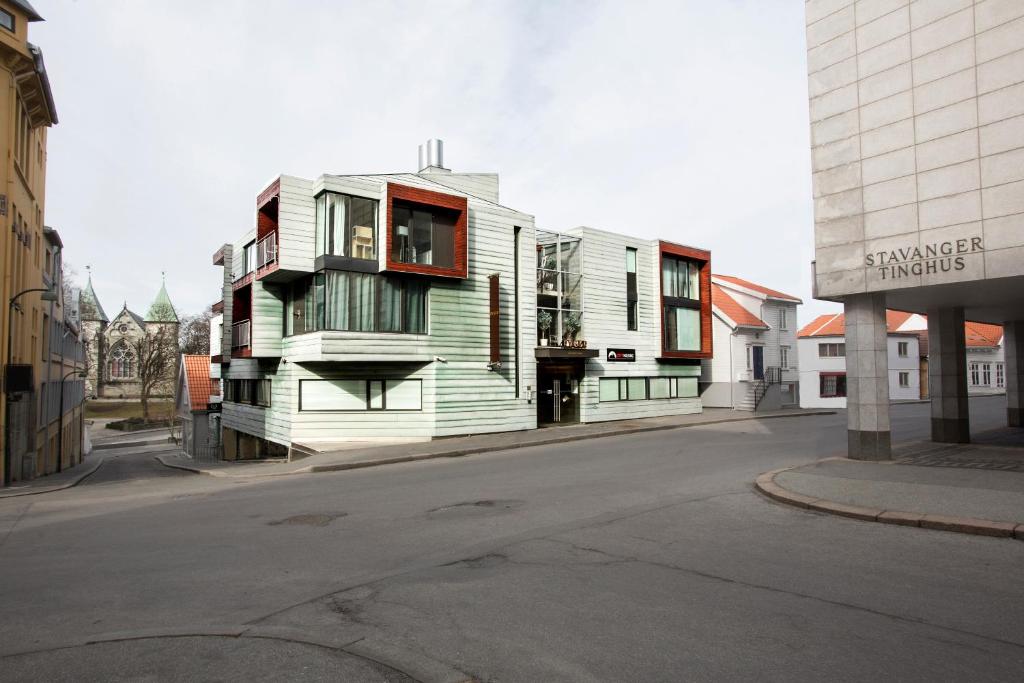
(823, 375)
(703, 257)
(429, 199)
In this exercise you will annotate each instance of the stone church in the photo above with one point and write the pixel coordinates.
(112, 365)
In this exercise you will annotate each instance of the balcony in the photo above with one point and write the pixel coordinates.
(266, 251)
(240, 334)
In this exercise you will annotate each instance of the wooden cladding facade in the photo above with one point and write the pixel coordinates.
(428, 199)
(703, 258)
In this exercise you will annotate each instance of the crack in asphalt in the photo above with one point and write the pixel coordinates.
(16, 523)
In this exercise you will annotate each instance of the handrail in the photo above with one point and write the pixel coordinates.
(240, 334)
(772, 375)
(266, 250)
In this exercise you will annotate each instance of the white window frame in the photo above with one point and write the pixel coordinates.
(975, 374)
(783, 318)
(784, 357)
(1000, 375)
(986, 374)
(903, 349)
(903, 377)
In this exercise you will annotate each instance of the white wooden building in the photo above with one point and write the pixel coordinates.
(405, 307)
(755, 361)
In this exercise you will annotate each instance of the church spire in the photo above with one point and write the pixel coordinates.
(89, 307)
(161, 310)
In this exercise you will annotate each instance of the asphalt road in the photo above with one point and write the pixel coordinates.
(647, 557)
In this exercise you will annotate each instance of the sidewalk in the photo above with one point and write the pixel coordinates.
(54, 482)
(373, 456)
(967, 488)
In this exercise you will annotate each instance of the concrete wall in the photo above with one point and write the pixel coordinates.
(917, 127)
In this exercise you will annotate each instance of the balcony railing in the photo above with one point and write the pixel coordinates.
(240, 334)
(266, 250)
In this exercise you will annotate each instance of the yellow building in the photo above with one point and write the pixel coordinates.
(40, 348)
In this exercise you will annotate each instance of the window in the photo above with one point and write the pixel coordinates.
(975, 374)
(680, 288)
(360, 394)
(831, 350)
(833, 385)
(255, 392)
(904, 378)
(986, 374)
(631, 295)
(1000, 375)
(559, 287)
(249, 258)
(122, 362)
(903, 349)
(750, 360)
(357, 302)
(783, 320)
(7, 20)
(642, 388)
(423, 235)
(784, 357)
(346, 226)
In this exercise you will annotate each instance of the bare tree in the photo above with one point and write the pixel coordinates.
(194, 333)
(68, 283)
(156, 354)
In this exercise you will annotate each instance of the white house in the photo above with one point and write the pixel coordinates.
(754, 330)
(822, 351)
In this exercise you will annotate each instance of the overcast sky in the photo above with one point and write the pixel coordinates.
(680, 120)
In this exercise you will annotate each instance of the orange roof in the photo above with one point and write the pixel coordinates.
(757, 288)
(834, 325)
(982, 334)
(200, 386)
(733, 309)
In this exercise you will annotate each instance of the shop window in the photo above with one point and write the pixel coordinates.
(337, 395)
(346, 226)
(832, 385)
(643, 388)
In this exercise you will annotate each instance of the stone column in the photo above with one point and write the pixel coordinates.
(1013, 348)
(947, 375)
(867, 378)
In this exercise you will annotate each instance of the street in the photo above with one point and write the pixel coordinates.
(646, 557)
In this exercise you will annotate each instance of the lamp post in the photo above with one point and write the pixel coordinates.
(48, 294)
(60, 413)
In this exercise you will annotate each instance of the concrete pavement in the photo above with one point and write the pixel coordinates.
(637, 557)
(391, 454)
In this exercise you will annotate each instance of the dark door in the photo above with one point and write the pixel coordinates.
(558, 393)
(758, 352)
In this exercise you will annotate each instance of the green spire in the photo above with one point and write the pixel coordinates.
(161, 310)
(89, 307)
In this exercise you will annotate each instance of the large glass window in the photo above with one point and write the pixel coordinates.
(423, 235)
(346, 226)
(360, 394)
(357, 302)
(680, 288)
(643, 388)
(832, 385)
(559, 288)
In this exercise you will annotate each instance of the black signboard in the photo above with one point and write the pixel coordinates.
(621, 355)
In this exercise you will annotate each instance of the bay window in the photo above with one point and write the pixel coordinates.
(356, 302)
(423, 235)
(346, 226)
(680, 289)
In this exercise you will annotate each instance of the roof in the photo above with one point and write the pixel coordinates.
(977, 335)
(981, 335)
(197, 381)
(733, 310)
(89, 307)
(161, 310)
(775, 294)
(30, 12)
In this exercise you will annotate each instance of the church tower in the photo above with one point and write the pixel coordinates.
(94, 323)
(161, 321)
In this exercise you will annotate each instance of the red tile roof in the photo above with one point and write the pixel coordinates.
(977, 335)
(200, 386)
(757, 288)
(733, 309)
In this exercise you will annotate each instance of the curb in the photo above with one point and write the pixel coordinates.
(766, 485)
(102, 446)
(474, 450)
(56, 487)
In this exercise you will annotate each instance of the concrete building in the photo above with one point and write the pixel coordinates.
(917, 132)
(755, 361)
(40, 346)
(412, 306)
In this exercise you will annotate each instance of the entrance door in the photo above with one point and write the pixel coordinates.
(758, 353)
(558, 389)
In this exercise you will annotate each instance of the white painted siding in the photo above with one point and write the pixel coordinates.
(296, 224)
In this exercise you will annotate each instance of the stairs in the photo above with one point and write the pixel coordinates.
(748, 401)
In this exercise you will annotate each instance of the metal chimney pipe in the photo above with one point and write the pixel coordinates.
(431, 153)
